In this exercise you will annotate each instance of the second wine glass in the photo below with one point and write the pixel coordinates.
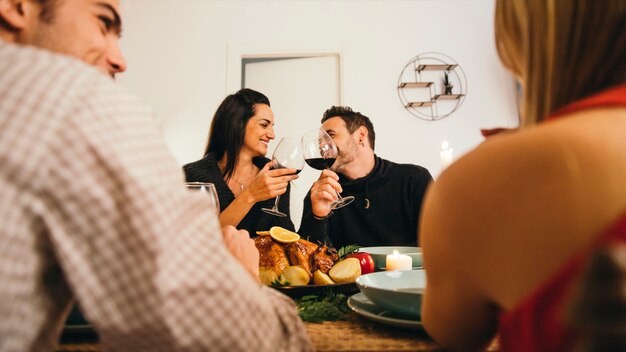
(320, 152)
(288, 154)
(209, 189)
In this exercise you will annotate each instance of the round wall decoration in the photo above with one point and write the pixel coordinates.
(432, 86)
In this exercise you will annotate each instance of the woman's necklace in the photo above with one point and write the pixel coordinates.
(243, 183)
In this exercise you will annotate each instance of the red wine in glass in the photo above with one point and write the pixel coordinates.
(288, 154)
(320, 152)
(320, 163)
(278, 166)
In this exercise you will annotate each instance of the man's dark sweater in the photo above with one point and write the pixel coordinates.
(207, 170)
(385, 210)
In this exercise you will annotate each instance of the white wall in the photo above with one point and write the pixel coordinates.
(180, 53)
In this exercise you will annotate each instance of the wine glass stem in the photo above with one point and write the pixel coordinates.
(327, 240)
(339, 198)
(276, 203)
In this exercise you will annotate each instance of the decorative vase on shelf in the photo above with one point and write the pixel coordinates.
(447, 86)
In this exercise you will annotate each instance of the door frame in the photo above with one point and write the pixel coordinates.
(237, 53)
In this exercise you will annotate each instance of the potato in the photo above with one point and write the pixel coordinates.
(295, 275)
(319, 278)
(267, 276)
(345, 271)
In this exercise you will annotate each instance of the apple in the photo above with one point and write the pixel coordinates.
(366, 261)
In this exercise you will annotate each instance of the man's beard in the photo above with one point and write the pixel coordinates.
(345, 157)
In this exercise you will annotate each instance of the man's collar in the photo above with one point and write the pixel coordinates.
(346, 180)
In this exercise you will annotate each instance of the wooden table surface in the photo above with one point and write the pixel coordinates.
(353, 333)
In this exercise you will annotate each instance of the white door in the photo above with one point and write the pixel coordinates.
(300, 89)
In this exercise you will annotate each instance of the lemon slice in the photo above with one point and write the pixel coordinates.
(283, 235)
(262, 233)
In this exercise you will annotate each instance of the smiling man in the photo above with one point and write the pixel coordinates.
(87, 30)
(94, 207)
(388, 196)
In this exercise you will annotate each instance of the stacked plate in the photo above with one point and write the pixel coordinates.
(391, 297)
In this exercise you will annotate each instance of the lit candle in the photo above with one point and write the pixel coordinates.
(398, 261)
(446, 154)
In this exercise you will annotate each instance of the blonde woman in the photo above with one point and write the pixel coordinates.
(508, 229)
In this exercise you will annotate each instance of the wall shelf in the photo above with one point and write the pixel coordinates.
(420, 104)
(424, 82)
(436, 67)
(416, 84)
(448, 96)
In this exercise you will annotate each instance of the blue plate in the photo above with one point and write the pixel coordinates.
(366, 308)
(399, 292)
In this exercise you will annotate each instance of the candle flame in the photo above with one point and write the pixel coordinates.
(395, 252)
(202, 188)
(444, 145)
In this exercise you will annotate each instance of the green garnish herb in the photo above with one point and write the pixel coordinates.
(279, 283)
(328, 305)
(346, 250)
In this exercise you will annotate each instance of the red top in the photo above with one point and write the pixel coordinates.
(538, 322)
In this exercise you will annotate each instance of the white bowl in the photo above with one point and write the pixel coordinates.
(399, 292)
(380, 254)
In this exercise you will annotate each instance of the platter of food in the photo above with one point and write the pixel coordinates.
(298, 267)
(301, 291)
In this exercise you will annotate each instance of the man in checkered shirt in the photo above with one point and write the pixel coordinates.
(93, 206)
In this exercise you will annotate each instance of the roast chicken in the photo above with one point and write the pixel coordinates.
(324, 258)
(271, 254)
(300, 253)
(308, 255)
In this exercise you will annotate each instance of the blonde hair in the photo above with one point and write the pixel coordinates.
(562, 50)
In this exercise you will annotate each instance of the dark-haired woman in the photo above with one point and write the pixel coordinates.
(234, 160)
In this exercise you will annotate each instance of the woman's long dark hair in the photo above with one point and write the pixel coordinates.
(228, 127)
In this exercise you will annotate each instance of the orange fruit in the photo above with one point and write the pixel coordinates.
(282, 235)
(262, 233)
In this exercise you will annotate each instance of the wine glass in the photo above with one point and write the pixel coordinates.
(320, 152)
(288, 154)
(210, 191)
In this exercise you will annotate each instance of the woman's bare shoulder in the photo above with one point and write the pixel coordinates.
(549, 165)
(500, 177)
(531, 197)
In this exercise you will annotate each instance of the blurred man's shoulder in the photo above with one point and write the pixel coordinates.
(26, 62)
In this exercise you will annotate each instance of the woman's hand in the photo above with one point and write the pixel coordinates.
(324, 192)
(241, 246)
(270, 183)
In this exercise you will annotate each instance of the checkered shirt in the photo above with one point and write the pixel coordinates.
(93, 207)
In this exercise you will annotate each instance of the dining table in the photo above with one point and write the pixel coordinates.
(351, 333)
